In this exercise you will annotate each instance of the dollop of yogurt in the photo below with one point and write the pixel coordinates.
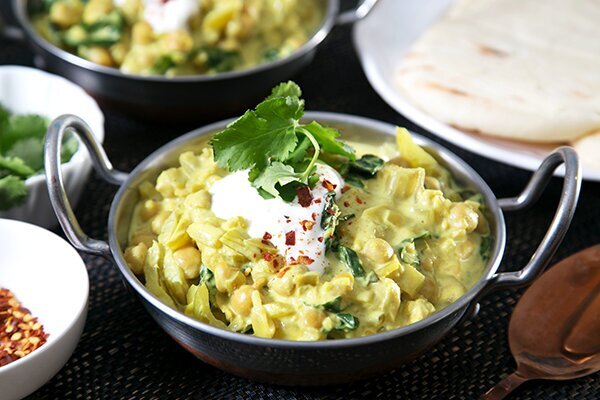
(295, 230)
(169, 15)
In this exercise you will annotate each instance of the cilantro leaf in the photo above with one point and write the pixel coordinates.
(276, 173)
(327, 140)
(12, 192)
(279, 152)
(286, 89)
(19, 127)
(260, 135)
(30, 151)
(14, 166)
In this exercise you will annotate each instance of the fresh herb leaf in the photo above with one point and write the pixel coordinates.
(408, 251)
(162, 65)
(346, 322)
(12, 192)
(327, 140)
(354, 180)
(30, 151)
(275, 174)
(259, 136)
(274, 146)
(485, 247)
(367, 165)
(350, 258)
(14, 166)
(333, 306)
(220, 60)
(271, 55)
(19, 127)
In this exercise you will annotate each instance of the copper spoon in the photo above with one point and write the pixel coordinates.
(554, 331)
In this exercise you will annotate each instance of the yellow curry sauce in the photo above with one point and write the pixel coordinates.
(179, 37)
(420, 243)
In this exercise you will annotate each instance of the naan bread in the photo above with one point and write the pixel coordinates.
(520, 69)
(588, 148)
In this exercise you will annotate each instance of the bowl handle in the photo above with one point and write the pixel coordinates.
(557, 229)
(54, 179)
(361, 11)
(560, 223)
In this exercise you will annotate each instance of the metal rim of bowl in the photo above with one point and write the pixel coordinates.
(382, 127)
(20, 9)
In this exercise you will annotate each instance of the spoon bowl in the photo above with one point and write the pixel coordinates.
(554, 331)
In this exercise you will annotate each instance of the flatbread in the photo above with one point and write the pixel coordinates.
(520, 69)
(588, 148)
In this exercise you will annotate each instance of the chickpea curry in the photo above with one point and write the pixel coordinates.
(323, 239)
(179, 37)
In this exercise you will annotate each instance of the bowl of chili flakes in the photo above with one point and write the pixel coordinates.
(43, 306)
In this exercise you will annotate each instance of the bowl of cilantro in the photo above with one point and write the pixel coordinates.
(29, 99)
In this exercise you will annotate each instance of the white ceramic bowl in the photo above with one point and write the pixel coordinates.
(49, 278)
(26, 90)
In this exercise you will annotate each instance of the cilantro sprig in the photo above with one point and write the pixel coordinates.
(280, 152)
(22, 154)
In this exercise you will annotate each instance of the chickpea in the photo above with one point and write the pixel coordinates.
(378, 250)
(118, 52)
(149, 209)
(98, 55)
(432, 183)
(66, 13)
(136, 257)
(96, 9)
(463, 217)
(142, 33)
(228, 279)
(188, 259)
(241, 300)
(178, 41)
(313, 317)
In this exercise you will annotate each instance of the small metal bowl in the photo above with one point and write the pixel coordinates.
(321, 362)
(191, 96)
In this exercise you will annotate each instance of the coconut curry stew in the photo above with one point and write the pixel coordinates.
(279, 229)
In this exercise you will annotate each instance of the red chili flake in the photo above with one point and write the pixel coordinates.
(328, 185)
(318, 201)
(320, 239)
(275, 263)
(304, 196)
(281, 273)
(267, 236)
(330, 211)
(305, 260)
(313, 216)
(307, 225)
(268, 256)
(359, 200)
(346, 204)
(290, 238)
(345, 189)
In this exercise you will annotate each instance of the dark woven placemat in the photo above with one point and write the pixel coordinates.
(123, 354)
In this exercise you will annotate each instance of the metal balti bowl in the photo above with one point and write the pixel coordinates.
(192, 96)
(321, 362)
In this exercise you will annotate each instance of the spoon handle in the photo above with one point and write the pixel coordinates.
(505, 386)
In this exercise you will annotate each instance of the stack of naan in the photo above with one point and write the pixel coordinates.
(527, 70)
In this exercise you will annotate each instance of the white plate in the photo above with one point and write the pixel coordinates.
(382, 39)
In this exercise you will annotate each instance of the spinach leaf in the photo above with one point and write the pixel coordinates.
(350, 258)
(408, 252)
(485, 247)
(346, 322)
